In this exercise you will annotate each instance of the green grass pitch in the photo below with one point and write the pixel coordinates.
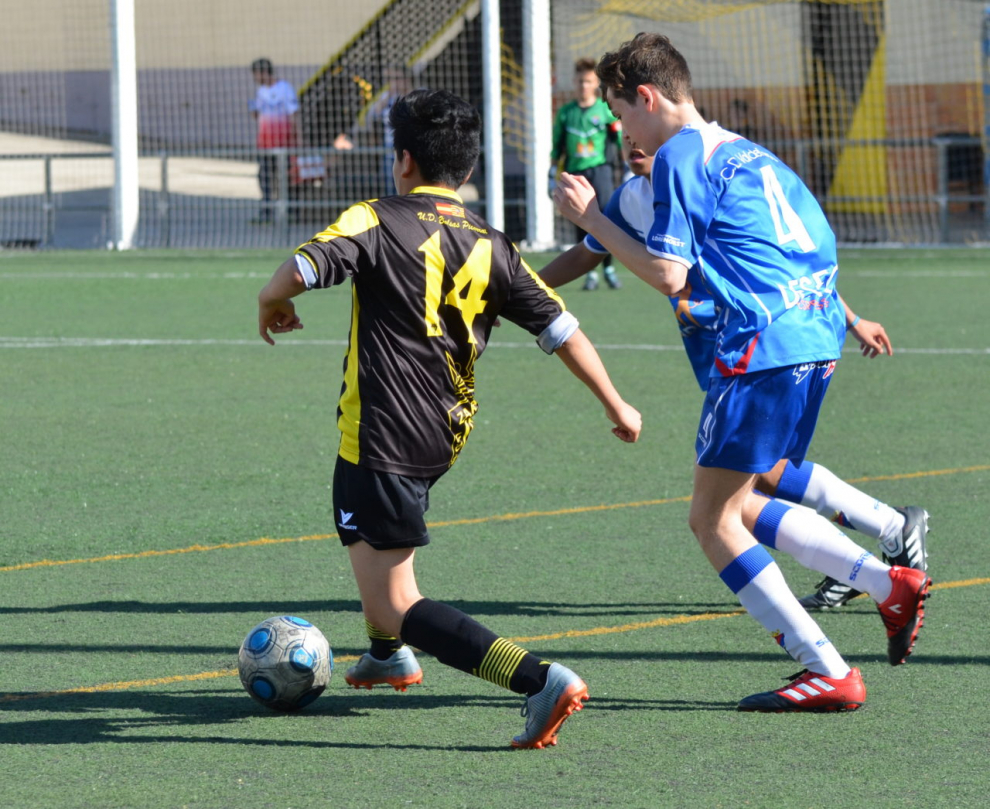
(165, 485)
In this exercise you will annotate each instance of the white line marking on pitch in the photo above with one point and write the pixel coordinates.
(127, 342)
(129, 276)
(69, 275)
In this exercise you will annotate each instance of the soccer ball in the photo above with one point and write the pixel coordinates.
(285, 663)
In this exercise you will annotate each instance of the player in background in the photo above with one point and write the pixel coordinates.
(586, 142)
(767, 254)
(276, 110)
(428, 278)
(901, 532)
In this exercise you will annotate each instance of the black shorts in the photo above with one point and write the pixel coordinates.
(383, 509)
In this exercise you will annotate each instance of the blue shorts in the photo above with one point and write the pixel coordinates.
(750, 422)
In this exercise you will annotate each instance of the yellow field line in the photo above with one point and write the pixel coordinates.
(948, 585)
(931, 473)
(211, 675)
(115, 557)
(614, 630)
(223, 546)
(677, 620)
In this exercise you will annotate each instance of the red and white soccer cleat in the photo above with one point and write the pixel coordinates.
(904, 612)
(810, 692)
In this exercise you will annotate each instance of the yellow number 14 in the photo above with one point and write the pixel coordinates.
(473, 275)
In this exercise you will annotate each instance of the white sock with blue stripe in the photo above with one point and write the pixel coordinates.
(813, 485)
(758, 583)
(818, 545)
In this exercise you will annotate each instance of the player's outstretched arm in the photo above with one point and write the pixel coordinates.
(580, 356)
(575, 198)
(575, 263)
(276, 312)
(872, 336)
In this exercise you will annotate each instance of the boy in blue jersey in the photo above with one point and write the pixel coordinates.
(900, 531)
(765, 251)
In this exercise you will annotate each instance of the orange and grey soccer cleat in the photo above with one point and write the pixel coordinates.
(904, 612)
(399, 671)
(810, 692)
(546, 711)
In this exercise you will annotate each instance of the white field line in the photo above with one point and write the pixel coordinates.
(70, 275)
(127, 342)
(917, 274)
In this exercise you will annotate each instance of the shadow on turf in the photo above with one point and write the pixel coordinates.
(526, 608)
(167, 712)
(568, 656)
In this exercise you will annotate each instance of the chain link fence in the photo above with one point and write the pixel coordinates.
(878, 104)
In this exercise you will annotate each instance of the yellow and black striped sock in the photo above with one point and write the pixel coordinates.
(383, 645)
(512, 667)
(459, 641)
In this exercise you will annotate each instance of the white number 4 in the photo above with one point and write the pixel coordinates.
(786, 222)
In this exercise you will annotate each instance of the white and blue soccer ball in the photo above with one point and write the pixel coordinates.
(285, 663)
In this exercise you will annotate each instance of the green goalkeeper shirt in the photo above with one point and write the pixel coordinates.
(580, 134)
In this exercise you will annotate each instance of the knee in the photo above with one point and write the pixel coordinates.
(701, 523)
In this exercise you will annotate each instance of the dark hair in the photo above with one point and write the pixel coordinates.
(263, 66)
(646, 59)
(441, 132)
(584, 64)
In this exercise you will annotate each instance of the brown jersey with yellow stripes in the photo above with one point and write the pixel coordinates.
(428, 278)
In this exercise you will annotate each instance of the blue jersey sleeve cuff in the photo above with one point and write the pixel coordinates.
(558, 332)
(670, 257)
(593, 245)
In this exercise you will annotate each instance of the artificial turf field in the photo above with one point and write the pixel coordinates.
(165, 486)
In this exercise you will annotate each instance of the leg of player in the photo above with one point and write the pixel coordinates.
(610, 277)
(828, 684)
(266, 181)
(392, 603)
(600, 178)
(387, 585)
(901, 532)
(817, 544)
(591, 278)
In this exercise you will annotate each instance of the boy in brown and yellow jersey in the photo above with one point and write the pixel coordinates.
(428, 280)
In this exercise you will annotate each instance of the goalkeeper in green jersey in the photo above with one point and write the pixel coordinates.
(586, 141)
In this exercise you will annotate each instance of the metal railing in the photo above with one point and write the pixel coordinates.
(356, 174)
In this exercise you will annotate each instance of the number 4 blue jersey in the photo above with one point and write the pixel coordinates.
(631, 208)
(762, 243)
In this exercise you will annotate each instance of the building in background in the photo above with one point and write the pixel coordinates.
(878, 105)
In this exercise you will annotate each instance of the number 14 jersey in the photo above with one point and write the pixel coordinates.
(429, 278)
(762, 244)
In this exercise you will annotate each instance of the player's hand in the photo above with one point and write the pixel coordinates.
(872, 337)
(575, 198)
(277, 317)
(628, 422)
